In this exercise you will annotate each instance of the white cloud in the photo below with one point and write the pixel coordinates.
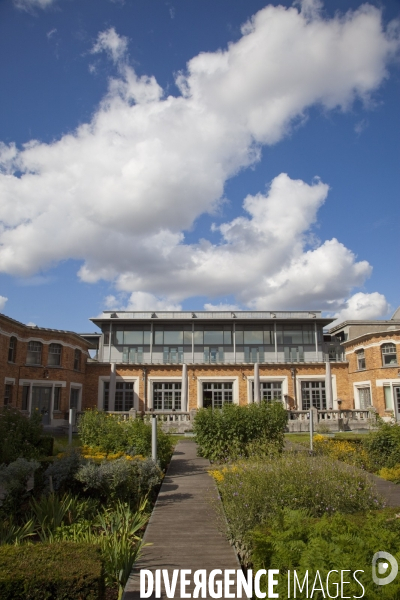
(362, 306)
(220, 306)
(31, 4)
(119, 191)
(109, 41)
(3, 301)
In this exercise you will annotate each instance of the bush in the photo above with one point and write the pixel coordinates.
(20, 436)
(62, 571)
(392, 474)
(128, 480)
(110, 434)
(62, 472)
(13, 479)
(240, 431)
(46, 445)
(348, 451)
(295, 540)
(383, 446)
(253, 491)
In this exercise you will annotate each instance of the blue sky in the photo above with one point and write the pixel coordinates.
(262, 174)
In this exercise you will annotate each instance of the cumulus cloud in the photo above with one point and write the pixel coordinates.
(3, 301)
(119, 192)
(362, 306)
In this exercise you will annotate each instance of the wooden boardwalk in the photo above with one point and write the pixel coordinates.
(183, 528)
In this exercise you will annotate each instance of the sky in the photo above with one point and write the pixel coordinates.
(198, 154)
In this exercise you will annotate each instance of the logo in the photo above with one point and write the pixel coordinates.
(380, 563)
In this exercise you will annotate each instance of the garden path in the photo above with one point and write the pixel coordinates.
(184, 525)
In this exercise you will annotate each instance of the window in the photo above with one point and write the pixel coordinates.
(213, 354)
(360, 360)
(77, 360)
(294, 354)
(364, 397)
(213, 335)
(74, 398)
(54, 358)
(123, 396)
(250, 334)
(254, 354)
(389, 355)
(131, 335)
(25, 397)
(387, 391)
(269, 390)
(57, 398)
(215, 395)
(12, 349)
(176, 335)
(34, 354)
(313, 395)
(167, 396)
(8, 394)
(132, 354)
(172, 354)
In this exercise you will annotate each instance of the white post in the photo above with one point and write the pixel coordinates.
(154, 437)
(112, 387)
(328, 386)
(256, 383)
(311, 429)
(72, 412)
(184, 394)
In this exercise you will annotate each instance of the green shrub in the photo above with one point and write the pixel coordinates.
(109, 433)
(20, 436)
(46, 445)
(13, 479)
(240, 431)
(383, 446)
(253, 491)
(62, 472)
(62, 571)
(295, 540)
(127, 480)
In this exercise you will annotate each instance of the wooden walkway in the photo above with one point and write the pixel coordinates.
(184, 525)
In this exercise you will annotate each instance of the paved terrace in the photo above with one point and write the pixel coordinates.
(184, 525)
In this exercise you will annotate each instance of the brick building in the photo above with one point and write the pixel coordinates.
(176, 362)
(41, 369)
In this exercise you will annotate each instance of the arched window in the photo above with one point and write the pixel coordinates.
(34, 354)
(54, 358)
(12, 349)
(360, 360)
(77, 360)
(389, 355)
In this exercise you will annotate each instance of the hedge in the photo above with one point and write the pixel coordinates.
(62, 571)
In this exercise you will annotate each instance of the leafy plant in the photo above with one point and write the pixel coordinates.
(49, 514)
(383, 446)
(20, 436)
(61, 473)
(10, 533)
(240, 431)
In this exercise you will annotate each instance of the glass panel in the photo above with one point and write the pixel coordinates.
(133, 337)
(198, 338)
(253, 337)
(308, 335)
(292, 334)
(57, 398)
(364, 395)
(187, 338)
(269, 336)
(119, 337)
(387, 390)
(213, 337)
(173, 337)
(228, 337)
(158, 337)
(239, 337)
(25, 397)
(74, 397)
(313, 394)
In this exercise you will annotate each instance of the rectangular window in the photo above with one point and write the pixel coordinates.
(8, 389)
(54, 357)
(106, 395)
(387, 390)
(213, 354)
(389, 354)
(313, 394)
(25, 397)
(167, 396)
(213, 337)
(364, 397)
(132, 355)
(360, 360)
(77, 360)
(11, 349)
(172, 354)
(123, 396)
(34, 354)
(269, 390)
(253, 337)
(74, 398)
(215, 395)
(57, 398)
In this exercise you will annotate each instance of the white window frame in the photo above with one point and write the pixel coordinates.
(268, 379)
(125, 379)
(356, 386)
(300, 378)
(150, 388)
(392, 383)
(235, 387)
(43, 383)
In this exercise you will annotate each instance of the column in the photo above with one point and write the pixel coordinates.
(111, 389)
(256, 383)
(184, 393)
(328, 386)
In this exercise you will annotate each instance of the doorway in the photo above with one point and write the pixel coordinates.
(41, 399)
(396, 394)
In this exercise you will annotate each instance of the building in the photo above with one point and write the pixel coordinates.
(173, 363)
(372, 352)
(41, 369)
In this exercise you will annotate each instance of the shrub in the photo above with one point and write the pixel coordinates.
(392, 474)
(253, 491)
(13, 479)
(240, 431)
(62, 472)
(295, 540)
(128, 480)
(110, 434)
(348, 451)
(62, 571)
(383, 446)
(20, 436)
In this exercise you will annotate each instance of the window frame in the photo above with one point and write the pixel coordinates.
(51, 352)
(8, 394)
(77, 359)
(387, 354)
(361, 363)
(12, 349)
(31, 352)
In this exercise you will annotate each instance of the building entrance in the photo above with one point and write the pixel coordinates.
(41, 398)
(396, 393)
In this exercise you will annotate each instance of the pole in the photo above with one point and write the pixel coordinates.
(311, 429)
(71, 424)
(154, 437)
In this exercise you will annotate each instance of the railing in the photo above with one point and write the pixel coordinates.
(331, 415)
(151, 360)
(168, 416)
